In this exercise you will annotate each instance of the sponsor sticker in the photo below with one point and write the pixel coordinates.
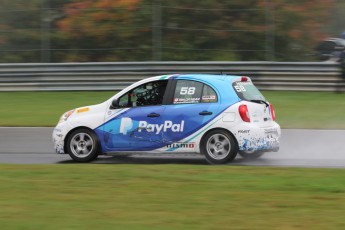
(186, 100)
(178, 145)
(83, 110)
(244, 131)
(209, 97)
(127, 124)
(158, 128)
(271, 131)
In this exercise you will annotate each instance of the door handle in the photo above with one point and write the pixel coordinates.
(153, 115)
(204, 113)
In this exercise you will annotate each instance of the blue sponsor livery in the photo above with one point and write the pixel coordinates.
(215, 115)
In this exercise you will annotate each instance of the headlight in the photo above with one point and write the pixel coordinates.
(66, 115)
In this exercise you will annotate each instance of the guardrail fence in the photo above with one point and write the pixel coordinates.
(303, 76)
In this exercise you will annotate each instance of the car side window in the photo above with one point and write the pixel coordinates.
(150, 93)
(187, 92)
(192, 92)
(208, 95)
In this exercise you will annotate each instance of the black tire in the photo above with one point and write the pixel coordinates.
(251, 155)
(219, 147)
(82, 145)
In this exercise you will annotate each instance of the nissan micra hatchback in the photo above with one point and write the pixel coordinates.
(214, 115)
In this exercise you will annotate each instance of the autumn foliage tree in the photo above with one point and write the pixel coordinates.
(246, 30)
(197, 29)
(17, 42)
(105, 30)
(298, 26)
(133, 30)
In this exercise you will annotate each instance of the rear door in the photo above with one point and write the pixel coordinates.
(193, 105)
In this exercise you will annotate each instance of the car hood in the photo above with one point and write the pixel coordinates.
(90, 116)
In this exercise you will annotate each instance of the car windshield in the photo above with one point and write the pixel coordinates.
(247, 91)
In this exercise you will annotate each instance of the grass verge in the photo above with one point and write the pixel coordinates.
(313, 110)
(43, 108)
(320, 110)
(170, 197)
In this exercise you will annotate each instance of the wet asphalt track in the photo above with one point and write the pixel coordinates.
(299, 148)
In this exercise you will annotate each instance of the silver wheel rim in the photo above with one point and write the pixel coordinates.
(218, 146)
(81, 145)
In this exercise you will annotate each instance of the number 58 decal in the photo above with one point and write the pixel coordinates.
(240, 88)
(187, 90)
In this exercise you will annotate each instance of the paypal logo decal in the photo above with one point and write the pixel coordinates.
(127, 124)
(156, 128)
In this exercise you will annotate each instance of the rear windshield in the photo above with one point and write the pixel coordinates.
(247, 91)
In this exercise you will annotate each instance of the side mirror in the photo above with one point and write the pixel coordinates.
(114, 104)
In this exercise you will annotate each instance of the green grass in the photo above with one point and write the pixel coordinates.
(294, 109)
(170, 197)
(43, 108)
(318, 110)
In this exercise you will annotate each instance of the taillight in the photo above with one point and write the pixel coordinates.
(244, 113)
(273, 114)
(244, 79)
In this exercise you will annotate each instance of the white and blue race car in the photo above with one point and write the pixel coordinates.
(214, 115)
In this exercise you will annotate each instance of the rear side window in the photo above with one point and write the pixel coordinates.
(247, 91)
(208, 95)
(192, 92)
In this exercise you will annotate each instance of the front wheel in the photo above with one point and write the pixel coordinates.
(219, 147)
(82, 145)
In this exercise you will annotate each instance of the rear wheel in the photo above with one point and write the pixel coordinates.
(219, 147)
(251, 154)
(82, 145)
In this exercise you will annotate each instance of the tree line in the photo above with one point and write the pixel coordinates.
(158, 30)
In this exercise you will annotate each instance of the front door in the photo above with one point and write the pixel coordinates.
(135, 125)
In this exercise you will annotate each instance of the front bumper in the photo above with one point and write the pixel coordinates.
(59, 135)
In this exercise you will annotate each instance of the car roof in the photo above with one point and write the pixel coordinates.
(202, 77)
(207, 76)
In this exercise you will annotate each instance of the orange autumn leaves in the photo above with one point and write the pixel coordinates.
(97, 18)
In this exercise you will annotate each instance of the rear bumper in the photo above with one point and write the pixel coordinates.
(251, 138)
